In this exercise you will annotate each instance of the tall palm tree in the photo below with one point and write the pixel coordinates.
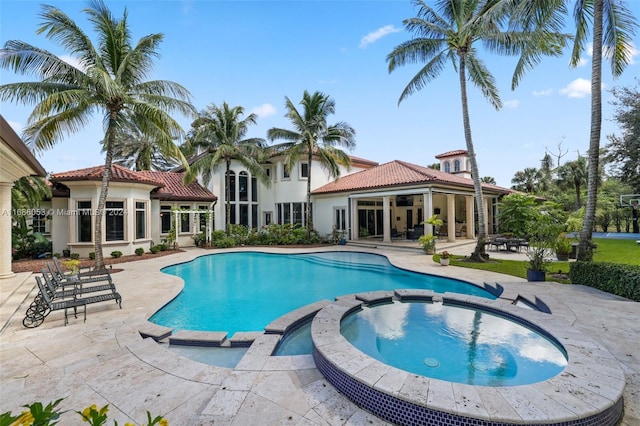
(573, 175)
(312, 137)
(613, 30)
(219, 135)
(449, 32)
(139, 151)
(110, 80)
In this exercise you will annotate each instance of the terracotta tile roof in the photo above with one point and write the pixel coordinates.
(452, 153)
(173, 188)
(398, 173)
(118, 174)
(168, 185)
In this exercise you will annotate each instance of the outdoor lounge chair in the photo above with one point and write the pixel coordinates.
(53, 304)
(57, 270)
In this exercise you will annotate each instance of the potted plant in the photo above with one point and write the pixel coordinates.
(445, 258)
(428, 243)
(563, 247)
(73, 265)
(543, 234)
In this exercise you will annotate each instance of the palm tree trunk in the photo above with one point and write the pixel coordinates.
(308, 209)
(228, 196)
(479, 253)
(584, 247)
(104, 189)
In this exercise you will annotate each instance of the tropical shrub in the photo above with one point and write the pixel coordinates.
(75, 256)
(154, 249)
(139, 251)
(49, 415)
(92, 255)
(516, 211)
(116, 254)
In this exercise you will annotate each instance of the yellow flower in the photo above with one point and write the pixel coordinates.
(129, 424)
(164, 422)
(25, 419)
(86, 413)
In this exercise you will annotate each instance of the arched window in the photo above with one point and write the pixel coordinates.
(456, 165)
(447, 167)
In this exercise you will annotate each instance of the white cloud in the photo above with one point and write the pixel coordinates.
(264, 110)
(376, 35)
(582, 62)
(512, 103)
(544, 92)
(75, 62)
(578, 88)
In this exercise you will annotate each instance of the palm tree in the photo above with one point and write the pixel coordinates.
(110, 80)
(28, 192)
(219, 135)
(488, 179)
(449, 32)
(312, 137)
(573, 175)
(527, 180)
(139, 151)
(613, 25)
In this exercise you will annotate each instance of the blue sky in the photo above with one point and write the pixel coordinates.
(254, 53)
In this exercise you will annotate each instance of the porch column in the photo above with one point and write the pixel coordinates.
(5, 230)
(485, 204)
(386, 229)
(354, 216)
(451, 217)
(428, 212)
(471, 224)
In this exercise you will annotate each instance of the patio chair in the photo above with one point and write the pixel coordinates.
(394, 234)
(59, 273)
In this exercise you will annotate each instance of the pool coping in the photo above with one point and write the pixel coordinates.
(589, 389)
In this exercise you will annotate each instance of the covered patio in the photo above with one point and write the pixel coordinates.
(392, 201)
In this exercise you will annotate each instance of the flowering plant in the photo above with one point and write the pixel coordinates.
(40, 415)
(72, 265)
(444, 255)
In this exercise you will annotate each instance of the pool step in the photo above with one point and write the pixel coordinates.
(198, 338)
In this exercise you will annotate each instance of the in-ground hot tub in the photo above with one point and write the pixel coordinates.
(586, 391)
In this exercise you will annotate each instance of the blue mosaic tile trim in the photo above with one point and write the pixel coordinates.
(402, 412)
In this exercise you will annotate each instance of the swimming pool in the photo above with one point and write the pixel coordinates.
(246, 291)
(454, 343)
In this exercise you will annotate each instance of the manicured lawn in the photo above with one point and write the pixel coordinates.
(617, 251)
(609, 250)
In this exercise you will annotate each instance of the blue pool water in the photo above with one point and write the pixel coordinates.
(455, 344)
(246, 291)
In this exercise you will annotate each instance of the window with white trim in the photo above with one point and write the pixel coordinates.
(141, 220)
(447, 167)
(185, 220)
(39, 223)
(114, 220)
(456, 165)
(340, 218)
(84, 219)
(285, 171)
(304, 170)
(165, 219)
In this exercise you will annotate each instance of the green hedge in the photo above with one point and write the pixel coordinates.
(614, 278)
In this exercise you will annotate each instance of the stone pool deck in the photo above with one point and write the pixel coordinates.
(106, 361)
